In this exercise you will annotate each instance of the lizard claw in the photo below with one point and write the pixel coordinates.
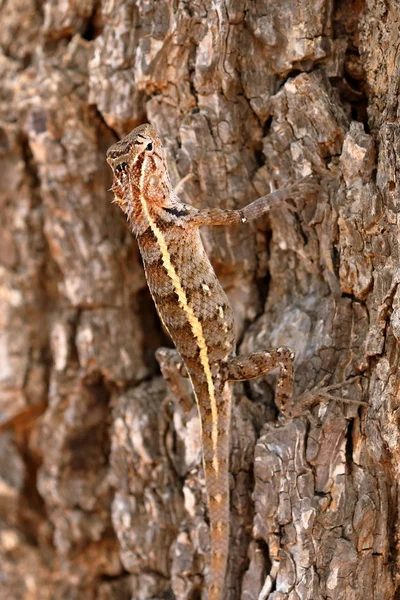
(322, 391)
(306, 185)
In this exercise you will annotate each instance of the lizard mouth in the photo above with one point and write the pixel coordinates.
(122, 167)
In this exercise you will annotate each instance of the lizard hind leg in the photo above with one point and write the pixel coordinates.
(251, 366)
(175, 374)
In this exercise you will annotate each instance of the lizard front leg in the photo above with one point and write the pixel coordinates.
(257, 208)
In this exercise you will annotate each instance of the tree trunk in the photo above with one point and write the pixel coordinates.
(101, 485)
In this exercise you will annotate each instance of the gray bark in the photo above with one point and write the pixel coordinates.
(101, 487)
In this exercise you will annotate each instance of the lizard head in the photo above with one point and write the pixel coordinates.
(139, 169)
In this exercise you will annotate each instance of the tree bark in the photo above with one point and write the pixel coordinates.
(101, 485)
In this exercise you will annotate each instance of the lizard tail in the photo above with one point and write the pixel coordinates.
(219, 533)
(215, 442)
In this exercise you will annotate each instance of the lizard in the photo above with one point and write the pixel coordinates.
(195, 310)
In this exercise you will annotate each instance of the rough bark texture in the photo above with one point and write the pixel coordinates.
(101, 490)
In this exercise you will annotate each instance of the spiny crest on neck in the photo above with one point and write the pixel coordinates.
(139, 169)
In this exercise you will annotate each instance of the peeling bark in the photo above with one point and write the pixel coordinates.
(101, 487)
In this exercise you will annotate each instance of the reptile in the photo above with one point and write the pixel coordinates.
(194, 308)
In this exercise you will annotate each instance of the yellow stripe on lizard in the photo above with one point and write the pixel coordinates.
(193, 320)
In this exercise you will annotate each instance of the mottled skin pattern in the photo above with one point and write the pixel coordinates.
(194, 309)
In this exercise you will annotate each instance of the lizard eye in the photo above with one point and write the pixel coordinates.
(149, 147)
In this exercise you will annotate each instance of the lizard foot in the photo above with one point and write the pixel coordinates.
(321, 392)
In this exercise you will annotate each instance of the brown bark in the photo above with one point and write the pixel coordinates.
(101, 489)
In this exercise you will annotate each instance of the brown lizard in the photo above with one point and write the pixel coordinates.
(194, 308)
